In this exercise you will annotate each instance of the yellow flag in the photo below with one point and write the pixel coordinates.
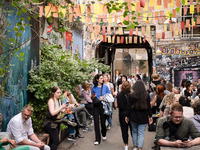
(120, 1)
(101, 37)
(82, 8)
(148, 29)
(172, 3)
(47, 11)
(185, 2)
(134, 7)
(83, 19)
(145, 16)
(146, 6)
(109, 39)
(191, 9)
(120, 31)
(62, 10)
(152, 3)
(158, 7)
(92, 36)
(193, 22)
(98, 8)
(176, 32)
(122, 18)
(165, 27)
(110, 19)
(167, 12)
(93, 18)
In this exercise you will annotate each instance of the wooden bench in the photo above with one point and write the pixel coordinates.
(174, 148)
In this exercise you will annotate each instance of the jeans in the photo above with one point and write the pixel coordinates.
(138, 131)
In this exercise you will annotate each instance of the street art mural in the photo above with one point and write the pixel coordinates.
(163, 66)
(15, 87)
(191, 75)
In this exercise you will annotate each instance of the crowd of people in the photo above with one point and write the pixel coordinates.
(176, 109)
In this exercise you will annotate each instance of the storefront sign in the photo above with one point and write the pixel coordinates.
(193, 49)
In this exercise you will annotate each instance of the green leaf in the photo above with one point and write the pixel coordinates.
(15, 29)
(126, 22)
(170, 15)
(132, 26)
(178, 9)
(37, 16)
(19, 24)
(29, 18)
(136, 23)
(19, 34)
(128, 28)
(139, 14)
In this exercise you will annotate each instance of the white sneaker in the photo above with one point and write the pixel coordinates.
(126, 147)
(134, 148)
(104, 138)
(96, 143)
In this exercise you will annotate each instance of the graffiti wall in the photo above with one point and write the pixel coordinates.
(163, 66)
(18, 76)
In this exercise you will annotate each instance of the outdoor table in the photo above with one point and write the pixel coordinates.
(174, 148)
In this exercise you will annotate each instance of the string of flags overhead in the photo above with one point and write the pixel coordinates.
(99, 22)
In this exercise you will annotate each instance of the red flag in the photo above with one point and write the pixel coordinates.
(122, 40)
(182, 24)
(142, 3)
(163, 35)
(131, 31)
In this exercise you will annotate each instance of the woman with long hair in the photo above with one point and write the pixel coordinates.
(158, 97)
(54, 113)
(139, 113)
(122, 103)
(99, 90)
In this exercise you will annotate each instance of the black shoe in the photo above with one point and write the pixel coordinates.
(79, 136)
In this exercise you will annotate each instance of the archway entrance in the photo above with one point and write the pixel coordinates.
(108, 50)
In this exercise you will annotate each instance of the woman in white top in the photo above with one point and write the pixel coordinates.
(55, 109)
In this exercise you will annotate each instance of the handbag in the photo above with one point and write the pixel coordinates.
(108, 98)
(96, 101)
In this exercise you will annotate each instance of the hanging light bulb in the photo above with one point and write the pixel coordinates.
(110, 49)
(147, 21)
(170, 20)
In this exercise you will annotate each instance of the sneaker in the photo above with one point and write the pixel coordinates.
(86, 129)
(108, 127)
(71, 138)
(104, 138)
(91, 117)
(96, 143)
(134, 148)
(126, 147)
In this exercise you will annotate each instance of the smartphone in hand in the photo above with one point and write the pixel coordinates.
(184, 139)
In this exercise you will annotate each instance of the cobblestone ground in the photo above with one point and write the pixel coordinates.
(113, 142)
